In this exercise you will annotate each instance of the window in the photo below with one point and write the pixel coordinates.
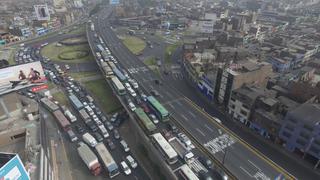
(289, 127)
(18, 136)
(314, 149)
(286, 134)
(308, 127)
(245, 106)
(305, 135)
(301, 142)
(243, 112)
(293, 120)
(232, 99)
(232, 106)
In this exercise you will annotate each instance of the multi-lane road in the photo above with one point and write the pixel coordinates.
(236, 155)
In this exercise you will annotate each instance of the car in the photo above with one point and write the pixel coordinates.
(67, 67)
(154, 118)
(80, 129)
(145, 108)
(111, 145)
(92, 126)
(125, 168)
(138, 100)
(158, 82)
(154, 93)
(132, 92)
(131, 162)
(116, 134)
(143, 97)
(103, 118)
(204, 175)
(206, 162)
(172, 128)
(127, 85)
(132, 106)
(124, 146)
(108, 125)
(114, 117)
(98, 136)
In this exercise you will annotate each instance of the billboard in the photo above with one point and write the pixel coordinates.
(20, 76)
(114, 2)
(42, 12)
(13, 168)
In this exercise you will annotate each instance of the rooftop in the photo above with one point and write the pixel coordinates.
(308, 113)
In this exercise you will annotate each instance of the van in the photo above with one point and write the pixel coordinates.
(104, 131)
(72, 135)
(70, 116)
(125, 168)
(89, 139)
(124, 146)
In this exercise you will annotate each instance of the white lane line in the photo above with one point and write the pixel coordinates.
(172, 106)
(168, 94)
(184, 117)
(192, 114)
(254, 165)
(200, 132)
(179, 103)
(245, 171)
(208, 127)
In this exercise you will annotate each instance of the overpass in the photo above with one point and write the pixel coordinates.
(227, 149)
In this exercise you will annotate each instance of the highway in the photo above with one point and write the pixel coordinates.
(243, 161)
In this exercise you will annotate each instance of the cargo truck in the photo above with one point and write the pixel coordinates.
(89, 158)
(182, 151)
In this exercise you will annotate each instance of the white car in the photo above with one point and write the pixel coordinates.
(131, 161)
(127, 85)
(125, 168)
(154, 118)
(132, 106)
(132, 93)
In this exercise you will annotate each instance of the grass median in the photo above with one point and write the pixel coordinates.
(75, 53)
(104, 95)
(134, 44)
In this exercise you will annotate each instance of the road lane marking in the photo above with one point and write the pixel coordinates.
(254, 165)
(184, 117)
(208, 127)
(193, 115)
(200, 132)
(247, 145)
(179, 103)
(243, 169)
(172, 106)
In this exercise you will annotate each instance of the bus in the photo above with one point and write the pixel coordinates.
(144, 119)
(165, 148)
(77, 104)
(49, 104)
(119, 74)
(161, 112)
(118, 86)
(107, 160)
(186, 173)
(112, 65)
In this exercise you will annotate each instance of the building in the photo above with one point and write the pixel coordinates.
(242, 102)
(300, 131)
(234, 76)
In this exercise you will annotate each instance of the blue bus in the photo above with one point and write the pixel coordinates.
(119, 74)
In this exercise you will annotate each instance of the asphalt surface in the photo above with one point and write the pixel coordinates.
(242, 161)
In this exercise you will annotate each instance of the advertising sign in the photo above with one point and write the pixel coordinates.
(42, 12)
(114, 2)
(13, 169)
(21, 76)
(39, 88)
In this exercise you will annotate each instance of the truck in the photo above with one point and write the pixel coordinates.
(107, 160)
(89, 158)
(92, 27)
(84, 115)
(182, 151)
(49, 104)
(89, 139)
(62, 120)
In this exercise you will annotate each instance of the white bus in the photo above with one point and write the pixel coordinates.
(109, 164)
(165, 148)
(187, 173)
(118, 86)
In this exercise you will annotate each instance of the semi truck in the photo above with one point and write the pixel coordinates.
(182, 151)
(89, 158)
